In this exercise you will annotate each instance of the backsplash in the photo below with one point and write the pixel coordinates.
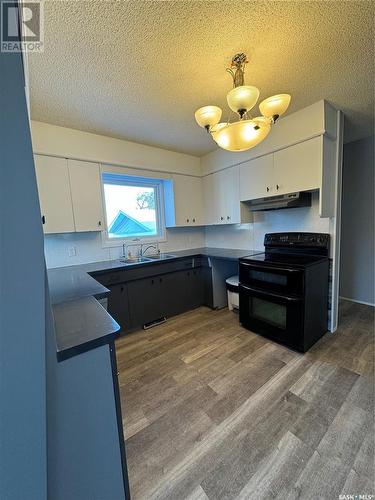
(251, 236)
(88, 246)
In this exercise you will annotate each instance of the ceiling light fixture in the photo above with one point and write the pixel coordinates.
(246, 132)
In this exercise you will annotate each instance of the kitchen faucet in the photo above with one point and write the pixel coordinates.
(156, 247)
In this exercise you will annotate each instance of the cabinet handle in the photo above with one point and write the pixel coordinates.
(122, 288)
(193, 220)
(277, 186)
(161, 279)
(228, 217)
(268, 189)
(221, 218)
(99, 223)
(187, 220)
(152, 282)
(43, 219)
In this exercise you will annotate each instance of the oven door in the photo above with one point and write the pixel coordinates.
(278, 317)
(275, 279)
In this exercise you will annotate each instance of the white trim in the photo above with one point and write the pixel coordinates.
(76, 144)
(106, 167)
(155, 183)
(357, 301)
(335, 225)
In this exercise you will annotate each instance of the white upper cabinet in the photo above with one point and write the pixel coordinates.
(86, 195)
(296, 168)
(229, 195)
(188, 201)
(219, 197)
(54, 194)
(299, 167)
(209, 200)
(221, 193)
(213, 195)
(69, 194)
(257, 178)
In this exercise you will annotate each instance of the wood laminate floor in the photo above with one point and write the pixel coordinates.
(214, 411)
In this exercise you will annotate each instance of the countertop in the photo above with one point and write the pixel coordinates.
(81, 323)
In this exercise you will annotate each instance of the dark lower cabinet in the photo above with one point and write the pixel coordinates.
(118, 305)
(164, 296)
(208, 298)
(138, 302)
(146, 300)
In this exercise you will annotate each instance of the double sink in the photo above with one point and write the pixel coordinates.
(148, 258)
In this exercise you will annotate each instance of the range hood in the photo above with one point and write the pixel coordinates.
(291, 200)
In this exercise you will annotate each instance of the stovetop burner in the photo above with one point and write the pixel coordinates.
(285, 259)
(293, 249)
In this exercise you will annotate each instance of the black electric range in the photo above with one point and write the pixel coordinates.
(284, 291)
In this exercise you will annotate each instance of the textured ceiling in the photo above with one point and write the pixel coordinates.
(139, 69)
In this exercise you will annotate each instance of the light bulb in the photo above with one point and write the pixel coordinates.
(208, 116)
(274, 106)
(242, 99)
(241, 135)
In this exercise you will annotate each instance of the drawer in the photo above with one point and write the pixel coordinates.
(145, 270)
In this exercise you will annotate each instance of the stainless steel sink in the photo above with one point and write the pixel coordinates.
(136, 260)
(160, 256)
(148, 258)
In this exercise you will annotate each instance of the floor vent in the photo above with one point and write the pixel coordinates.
(156, 322)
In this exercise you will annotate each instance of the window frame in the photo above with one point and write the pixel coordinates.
(134, 180)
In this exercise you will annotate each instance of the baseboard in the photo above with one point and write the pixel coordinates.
(358, 301)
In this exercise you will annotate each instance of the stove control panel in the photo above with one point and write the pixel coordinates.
(306, 240)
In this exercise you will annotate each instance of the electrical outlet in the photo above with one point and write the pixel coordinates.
(72, 252)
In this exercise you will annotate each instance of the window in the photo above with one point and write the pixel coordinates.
(133, 207)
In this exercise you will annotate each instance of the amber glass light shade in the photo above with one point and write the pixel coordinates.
(208, 116)
(215, 129)
(241, 135)
(275, 105)
(242, 98)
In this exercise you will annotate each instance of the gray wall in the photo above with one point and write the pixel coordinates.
(357, 236)
(22, 274)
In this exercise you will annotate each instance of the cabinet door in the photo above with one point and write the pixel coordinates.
(257, 178)
(299, 167)
(218, 197)
(221, 180)
(86, 195)
(188, 200)
(183, 291)
(176, 293)
(145, 300)
(118, 305)
(54, 194)
(210, 199)
(197, 297)
(230, 195)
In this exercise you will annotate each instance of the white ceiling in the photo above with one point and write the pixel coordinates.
(139, 69)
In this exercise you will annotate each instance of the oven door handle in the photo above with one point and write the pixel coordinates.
(260, 267)
(270, 294)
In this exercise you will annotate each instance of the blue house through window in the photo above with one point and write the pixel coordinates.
(123, 225)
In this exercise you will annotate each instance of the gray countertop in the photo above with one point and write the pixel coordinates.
(74, 282)
(81, 323)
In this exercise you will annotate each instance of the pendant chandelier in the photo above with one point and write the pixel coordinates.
(246, 132)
